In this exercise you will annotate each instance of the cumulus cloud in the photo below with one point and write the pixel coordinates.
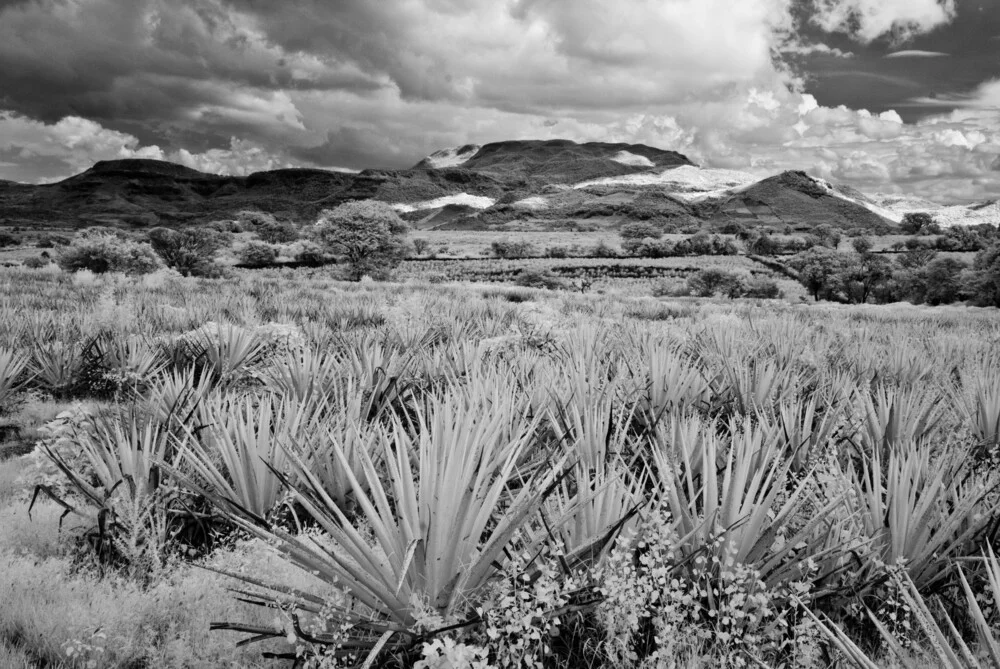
(73, 144)
(239, 85)
(867, 20)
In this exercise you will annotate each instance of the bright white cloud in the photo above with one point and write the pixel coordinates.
(866, 20)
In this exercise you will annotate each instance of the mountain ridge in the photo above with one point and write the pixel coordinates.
(516, 184)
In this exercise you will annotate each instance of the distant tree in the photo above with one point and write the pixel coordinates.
(982, 282)
(709, 282)
(763, 245)
(420, 246)
(862, 274)
(258, 254)
(640, 230)
(828, 235)
(189, 250)
(507, 248)
(277, 232)
(101, 252)
(916, 222)
(819, 270)
(942, 280)
(863, 245)
(370, 236)
(7, 239)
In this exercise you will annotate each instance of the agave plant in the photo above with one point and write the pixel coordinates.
(441, 512)
(732, 496)
(917, 510)
(242, 451)
(306, 375)
(944, 645)
(979, 403)
(13, 366)
(892, 417)
(56, 366)
(129, 361)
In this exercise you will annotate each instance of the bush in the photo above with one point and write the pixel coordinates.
(762, 288)
(710, 282)
(370, 236)
(7, 239)
(35, 262)
(277, 233)
(420, 246)
(640, 230)
(511, 249)
(538, 278)
(557, 252)
(51, 241)
(100, 252)
(189, 251)
(258, 254)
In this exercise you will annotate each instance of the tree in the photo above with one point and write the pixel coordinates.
(368, 235)
(863, 274)
(420, 246)
(983, 281)
(101, 252)
(819, 270)
(189, 251)
(709, 282)
(942, 280)
(258, 254)
(640, 230)
(916, 222)
(277, 232)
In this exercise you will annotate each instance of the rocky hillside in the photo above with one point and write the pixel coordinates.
(546, 185)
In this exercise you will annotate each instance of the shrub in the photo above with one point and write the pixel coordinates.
(34, 262)
(709, 282)
(370, 236)
(189, 251)
(557, 252)
(640, 230)
(100, 252)
(7, 239)
(420, 246)
(762, 288)
(538, 278)
(277, 232)
(51, 241)
(511, 249)
(258, 253)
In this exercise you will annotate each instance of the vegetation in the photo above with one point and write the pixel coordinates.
(368, 235)
(439, 476)
(190, 251)
(101, 252)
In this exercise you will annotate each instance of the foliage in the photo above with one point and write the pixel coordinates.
(368, 235)
(258, 254)
(511, 249)
(100, 252)
(190, 251)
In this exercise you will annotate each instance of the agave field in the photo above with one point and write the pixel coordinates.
(387, 475)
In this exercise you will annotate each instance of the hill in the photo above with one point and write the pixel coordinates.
(524, 184)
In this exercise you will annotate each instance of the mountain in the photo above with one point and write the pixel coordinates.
(515, 185)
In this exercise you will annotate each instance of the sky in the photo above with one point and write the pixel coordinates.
(890, 96)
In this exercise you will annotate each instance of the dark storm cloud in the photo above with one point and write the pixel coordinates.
(872, 81)
(142, 60)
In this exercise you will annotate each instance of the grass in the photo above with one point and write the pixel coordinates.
(798, 448)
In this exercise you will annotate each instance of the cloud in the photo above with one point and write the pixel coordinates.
(46, 152)
(867, 20)
(916, 53)
(239, 85)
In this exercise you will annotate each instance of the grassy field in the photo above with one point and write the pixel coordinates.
(458, 475)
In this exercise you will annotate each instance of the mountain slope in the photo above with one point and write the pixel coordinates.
(524, 184)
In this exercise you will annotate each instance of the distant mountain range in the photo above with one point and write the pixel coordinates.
(539, 185)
